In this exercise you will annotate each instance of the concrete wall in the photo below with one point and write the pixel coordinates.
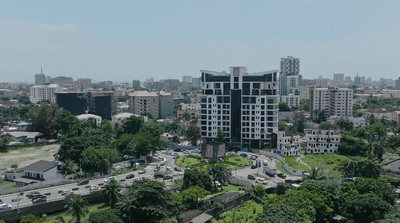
(39, 209)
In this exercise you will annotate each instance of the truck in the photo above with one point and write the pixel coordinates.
(270, 171)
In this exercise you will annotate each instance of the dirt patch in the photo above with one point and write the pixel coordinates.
(27, 156)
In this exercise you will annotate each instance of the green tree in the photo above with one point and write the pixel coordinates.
(299, 121)
(281, 213)
(380, 187)
(282, 126)
(77, 207)
(283, 106)
(220, 136)
(247, 213)
(14, 166)
(122, 144)
(132, 125)
(327, 126)
(366, 208)
(111, 191)
(196, 177)
(4, 140)
(345, 124)
(305, 105)
(353, 146)
(144, 143)
(155, 129)
(319, 116)
(65, 122)
(69, 167)
(43, 118)
(193, 194)
(282, 188)
(31, 219)
(219, 172)
(98, 159)
(148, 201)
(105, 216)
(193, 133)
(361, 168)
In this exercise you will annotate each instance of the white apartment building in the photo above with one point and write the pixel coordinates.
(243, 105)
(322, 141)
(289, 76)
(291, 100)
(288, 144)
(333, 100)
(304, 92)
(44, 92)
(86, 117)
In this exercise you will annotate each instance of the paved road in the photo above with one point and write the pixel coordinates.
(54, 193)
(272, 182)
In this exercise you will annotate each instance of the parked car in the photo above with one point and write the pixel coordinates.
(94, 187)
(217, 183)
(130, 176)
(254, 166)
(31, 194)
(83, 182)
(5, 206)
(243, 155)
(158, 175)
(177, 169)
(281, 175)
(142, 171)
(253, 157)
(251, 177)
(177, 174)
(167, 177)
(1, 201)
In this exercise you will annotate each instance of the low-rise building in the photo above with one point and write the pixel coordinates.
(293, 101)
(120, 118)
(357, 121)
(24, 137)
(86, 117)
(322, 141)
(288, 143)
(39, 171)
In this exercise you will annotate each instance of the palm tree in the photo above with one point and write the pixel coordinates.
(219, 172)
(127, 208)
(111, 191)
(77, 207)
(69, 167)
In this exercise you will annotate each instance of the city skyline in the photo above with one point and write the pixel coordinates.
(168, 40)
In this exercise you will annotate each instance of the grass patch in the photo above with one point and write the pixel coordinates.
(68, 218)
(291, 161)
(279, 166)
(230, 188)
(186, 161)
(238, 161)
(326, 161)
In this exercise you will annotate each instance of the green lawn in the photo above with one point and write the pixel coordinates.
(279, 166)
(238, 161)
(325, 161)
(68, 218)
(186, 161)
(291, 161)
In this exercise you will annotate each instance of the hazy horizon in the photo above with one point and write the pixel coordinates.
(126, 40)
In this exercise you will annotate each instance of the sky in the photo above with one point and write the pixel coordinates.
(126, 39)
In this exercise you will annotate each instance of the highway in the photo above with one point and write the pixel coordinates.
(54, 193)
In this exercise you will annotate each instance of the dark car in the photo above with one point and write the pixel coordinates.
(158, 175)
(32, 194)
(254, 166)
(243, 155)
(290, 181)
(130, 176)
(281, 175)
(1, 201)
(37, 196)
(177, 169)
(167, 177)
(251, 177)
(83, 182)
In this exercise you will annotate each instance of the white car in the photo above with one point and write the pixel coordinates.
(142, 171)
(93, 187)
(108, 179)
(217, 183)
(5, 206)
(64, 192)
